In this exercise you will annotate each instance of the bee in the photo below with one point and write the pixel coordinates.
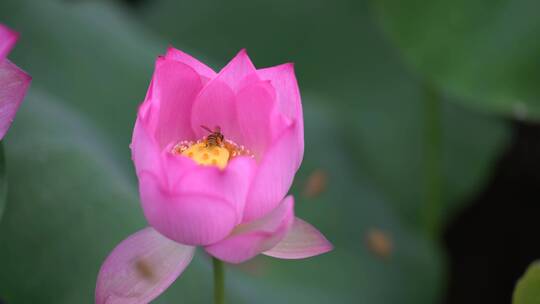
(215, 138)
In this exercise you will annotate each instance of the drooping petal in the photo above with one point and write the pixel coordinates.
(7, 40)
(249, 239)
(239, 72)
(283, 79)
(215, 107)
(274, 175)
(175, 86)
(13, 86)
(302, 241)
(258, 118)
(140, 268)
(195, 64)
(192, 218)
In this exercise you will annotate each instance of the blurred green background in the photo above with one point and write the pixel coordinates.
(408, 105)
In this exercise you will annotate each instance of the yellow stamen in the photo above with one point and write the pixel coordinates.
(206, 154)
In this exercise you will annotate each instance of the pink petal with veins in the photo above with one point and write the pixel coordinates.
(140, 268)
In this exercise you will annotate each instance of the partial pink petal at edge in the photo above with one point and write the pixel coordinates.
(8, 38)
(140, 268)
(302, 241)
(14, 83)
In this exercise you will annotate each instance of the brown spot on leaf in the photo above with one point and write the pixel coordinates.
(316, 183)
(254, 267)
(379, 243)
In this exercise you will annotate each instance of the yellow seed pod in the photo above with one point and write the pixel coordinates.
(210, 155)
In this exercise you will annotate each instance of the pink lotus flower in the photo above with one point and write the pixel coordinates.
(222, 187)
(13, 81)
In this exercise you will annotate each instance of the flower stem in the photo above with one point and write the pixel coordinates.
(219, 281)
(433, 161)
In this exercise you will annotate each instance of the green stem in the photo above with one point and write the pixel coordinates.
(433, 161)
(219, 281)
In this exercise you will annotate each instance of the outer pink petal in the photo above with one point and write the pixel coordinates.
(191, 218)
(231, 184)
(302, 241)
(238, 72)
(249, 239)
(145, 152)
(258, 118)
(140, 268)
(13, 86)
(195, 64)
(8, 38)
(283, 79)
(274, 175)
(174, 88)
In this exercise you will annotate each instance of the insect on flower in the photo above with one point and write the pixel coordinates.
(215, 138)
